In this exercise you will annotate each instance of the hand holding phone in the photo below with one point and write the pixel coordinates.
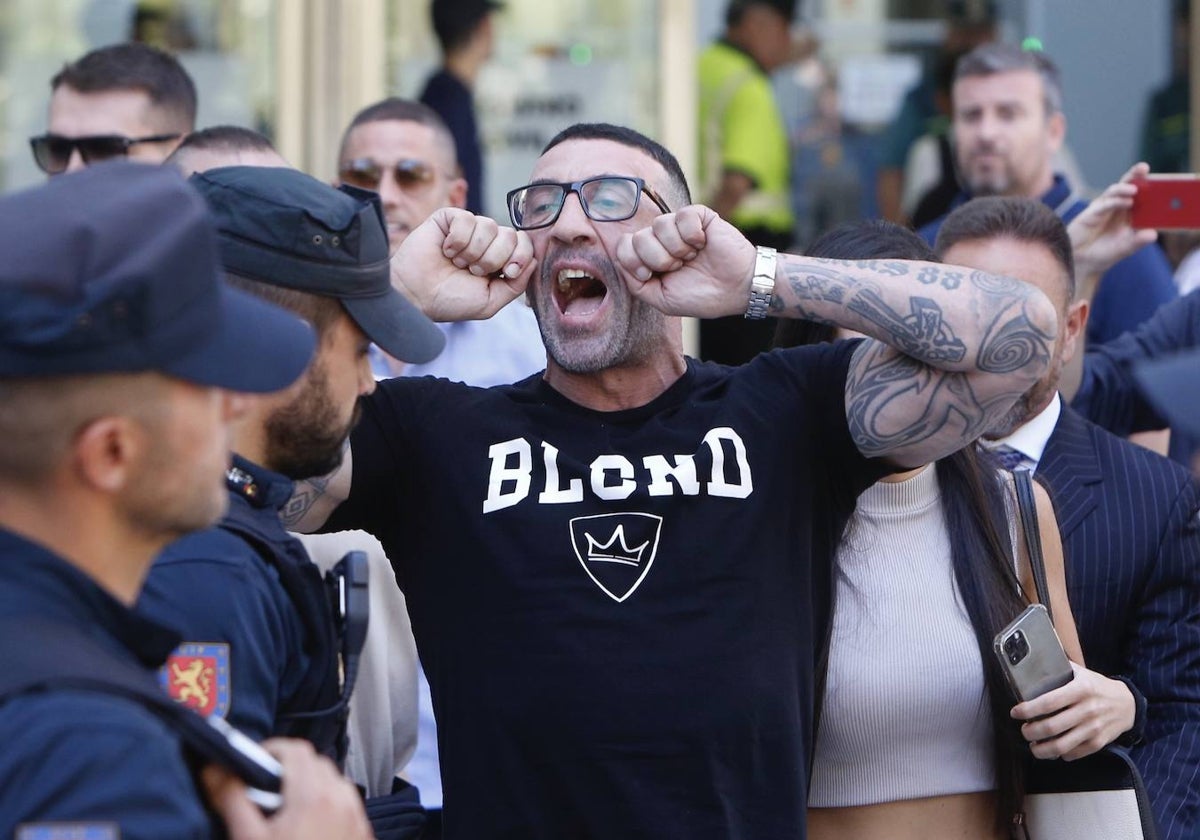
(1031, 656)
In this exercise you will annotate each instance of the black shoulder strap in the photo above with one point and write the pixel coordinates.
(319, 709)
(37, 654)
(1027, 505)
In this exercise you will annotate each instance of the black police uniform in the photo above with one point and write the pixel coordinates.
(79, 760)
(261, 642)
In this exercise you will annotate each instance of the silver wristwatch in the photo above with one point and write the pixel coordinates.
(762, 285)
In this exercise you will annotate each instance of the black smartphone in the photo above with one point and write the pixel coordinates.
(1031, 656)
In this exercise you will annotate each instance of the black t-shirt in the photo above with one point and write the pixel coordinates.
(617, 611)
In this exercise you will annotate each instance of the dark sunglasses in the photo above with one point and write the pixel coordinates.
(52, 152)
(608, 198)
(366, 173)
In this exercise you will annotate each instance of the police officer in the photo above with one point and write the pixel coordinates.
(119, 349)
(261, 644)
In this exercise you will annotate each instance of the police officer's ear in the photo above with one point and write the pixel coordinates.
(107, 451)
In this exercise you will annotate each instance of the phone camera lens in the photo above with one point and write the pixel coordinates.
(1016, 647)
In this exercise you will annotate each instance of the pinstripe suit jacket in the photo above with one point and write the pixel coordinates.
(1132, 547)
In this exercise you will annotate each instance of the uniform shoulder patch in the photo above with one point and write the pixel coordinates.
(196, 674)
(68, 831)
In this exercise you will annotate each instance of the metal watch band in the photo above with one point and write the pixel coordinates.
(762, 285)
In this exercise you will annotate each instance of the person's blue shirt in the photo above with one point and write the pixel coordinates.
(452, 100)
(241, 628)
(1129, 292)
(87, 760)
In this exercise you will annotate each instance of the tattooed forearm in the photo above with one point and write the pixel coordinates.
(922, 333)
(944, 316)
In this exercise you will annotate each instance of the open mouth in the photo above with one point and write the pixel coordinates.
(578, 293)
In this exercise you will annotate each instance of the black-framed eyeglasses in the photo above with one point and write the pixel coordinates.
(366, 173)
(52, 152)
(607, 198)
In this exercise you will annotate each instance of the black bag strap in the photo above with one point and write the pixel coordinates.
(1027, 506)
(322, 699)
(39, 655)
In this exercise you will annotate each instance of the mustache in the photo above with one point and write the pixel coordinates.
(984, 147)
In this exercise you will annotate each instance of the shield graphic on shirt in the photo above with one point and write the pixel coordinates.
(196, 674)
(616, 549)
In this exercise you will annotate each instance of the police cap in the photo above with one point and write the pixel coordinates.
(285, 228)
(114, 269)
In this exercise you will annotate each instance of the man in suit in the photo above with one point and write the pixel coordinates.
(1007, 124)
(1128, 522)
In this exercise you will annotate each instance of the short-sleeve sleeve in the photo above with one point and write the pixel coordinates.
(381, 443)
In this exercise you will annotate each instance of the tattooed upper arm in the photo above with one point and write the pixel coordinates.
(898, 406)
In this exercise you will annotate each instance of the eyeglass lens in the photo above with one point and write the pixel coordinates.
(603, 200)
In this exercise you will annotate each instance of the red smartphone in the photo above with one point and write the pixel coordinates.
(1167, 202)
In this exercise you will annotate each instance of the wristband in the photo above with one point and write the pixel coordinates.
(762, 285)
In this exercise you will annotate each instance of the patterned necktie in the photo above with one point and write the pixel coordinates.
(1009, 458)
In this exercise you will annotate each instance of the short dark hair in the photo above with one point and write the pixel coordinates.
(737, 9)
(321, 311)
(997, 57)
(1022, 219)
(136, 66)
(635, 139)
(403, 110)
(455, 21)
(863, 239)
(232, 138)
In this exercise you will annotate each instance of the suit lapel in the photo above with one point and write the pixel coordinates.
(1071, 468)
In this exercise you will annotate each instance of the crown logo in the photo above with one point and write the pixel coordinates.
(605, 553)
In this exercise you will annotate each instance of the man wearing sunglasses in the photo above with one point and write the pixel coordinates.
(403, 150)
(618, 571)
(124, 100)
